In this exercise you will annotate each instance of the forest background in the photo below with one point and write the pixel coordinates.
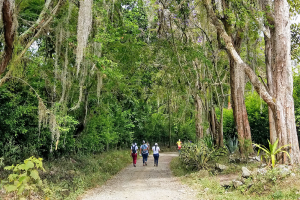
(85, 77)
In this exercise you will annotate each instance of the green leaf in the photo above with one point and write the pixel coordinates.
(273, 160)
(23, 167)
(10, 188)
(279, 150)
(29, 164)
(34, 174)
(12, 177)
(9, 167)
(22, 178)
(21, 189)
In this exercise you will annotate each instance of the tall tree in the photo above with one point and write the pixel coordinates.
(281, 103)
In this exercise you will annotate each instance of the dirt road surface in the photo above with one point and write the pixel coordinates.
(144, 182)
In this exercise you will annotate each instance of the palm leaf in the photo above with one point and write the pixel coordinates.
(273, 160)
(273, 147)
(286, 154)
(263, 148)
(279, 150)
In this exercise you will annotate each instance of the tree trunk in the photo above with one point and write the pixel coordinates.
(169, 120)
(283, 83)
(198, 104)
(214, 126)
(237, 85)
(268, 61)
(9, 33)
(221, 143)
(198, 117)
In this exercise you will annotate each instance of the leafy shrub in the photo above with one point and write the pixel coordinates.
(208, 141)
(25, 178)
(196, 156)
(232, 144)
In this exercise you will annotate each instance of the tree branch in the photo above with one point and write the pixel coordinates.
(9, 34)
(261, 90)
(262, 80)
(33, 29)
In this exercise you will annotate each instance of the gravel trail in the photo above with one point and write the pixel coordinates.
(144, 182)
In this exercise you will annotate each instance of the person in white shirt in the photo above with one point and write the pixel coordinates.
(155, 150)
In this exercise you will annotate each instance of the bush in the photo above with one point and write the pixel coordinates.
(196, 156)
(25, 178)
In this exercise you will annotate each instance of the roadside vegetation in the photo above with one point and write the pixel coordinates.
(222, 176)
(67, 178)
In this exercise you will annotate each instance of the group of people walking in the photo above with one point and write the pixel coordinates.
(144, 151)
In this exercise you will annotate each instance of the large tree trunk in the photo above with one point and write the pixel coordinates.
(283, 83)
(237, 87)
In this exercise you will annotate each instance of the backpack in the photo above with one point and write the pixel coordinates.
(144, 148)
(133, 149)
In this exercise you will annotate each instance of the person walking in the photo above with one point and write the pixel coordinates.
(155, 150)
(133, 153)
(179, 145)
(144, 150)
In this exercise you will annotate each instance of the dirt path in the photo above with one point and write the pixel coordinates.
(145, 183)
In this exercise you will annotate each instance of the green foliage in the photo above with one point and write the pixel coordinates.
(295, 39)
(272, 151)
(229, 130)
(232, 144)
(257, 111)
(195, 156)
(25, 177)
(258, 118)
(178, 167)
(208, 141)
(69, 178)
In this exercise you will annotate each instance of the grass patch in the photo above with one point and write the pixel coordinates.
(178, 168)
(67, 178)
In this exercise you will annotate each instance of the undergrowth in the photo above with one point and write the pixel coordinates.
(267, 187)
(67, 178)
